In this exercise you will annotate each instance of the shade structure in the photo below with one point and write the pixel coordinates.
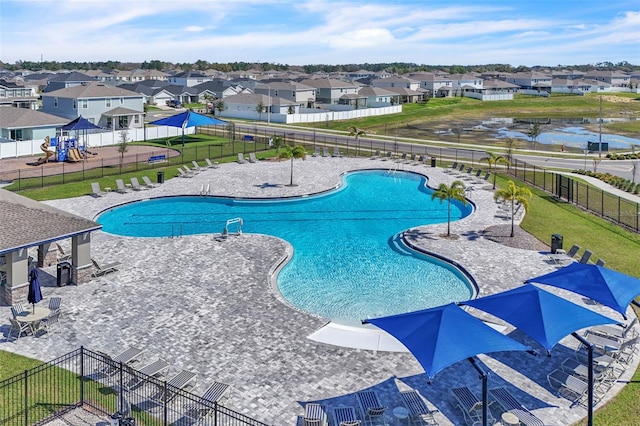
(608, 287)
(186, 119)
(35, 293)
(80, 123)
(542, 315)
(441, 336)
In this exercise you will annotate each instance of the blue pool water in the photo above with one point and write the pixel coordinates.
(347, 265)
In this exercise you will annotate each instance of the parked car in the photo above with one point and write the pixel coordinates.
(174, 104)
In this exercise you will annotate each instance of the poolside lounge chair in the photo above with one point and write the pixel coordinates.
(130, 357)
(314, 415)
(574, 387)
(210, 164)
(421, 160)
(376, 155)
(192, 171)
(217, 393)
(418, 410)
(183, 380)
(196, 166)
(62, 256)
(573, 250)
(17, 329)
(470, 406)
(157, 369)
(451, 169)
(96, 191)
(241, 159)
(346, 416)
(135, 184)
(387, 156)
(585, 256)
(614, 331)
(104, 269)
(509, 403)
(402, 158)
(600, 262)
(120, 187)
(336, 152)
(148, 182)
(371, 407)
(316, 152)
(602, 374)
(184, 174)
(325, 151)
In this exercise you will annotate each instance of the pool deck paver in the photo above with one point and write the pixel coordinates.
(208, 306)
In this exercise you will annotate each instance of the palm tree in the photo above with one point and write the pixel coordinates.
(357, 133)
(297, 151)
(493, 160)
(513, 194)
(453, 192)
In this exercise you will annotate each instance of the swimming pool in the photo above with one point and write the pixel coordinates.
(347, 263)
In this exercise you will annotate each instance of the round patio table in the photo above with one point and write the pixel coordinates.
(33, 316)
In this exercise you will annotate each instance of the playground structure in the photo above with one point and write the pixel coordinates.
(62, 148)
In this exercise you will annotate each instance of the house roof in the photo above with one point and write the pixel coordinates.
(28, 223)
(327, 83)
(120, 111)
(21, 118)
(92, 90)
(72, 77)
(376, 91)
(255, 99)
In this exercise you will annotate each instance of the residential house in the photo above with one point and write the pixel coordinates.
(433, 85)
(153, 91)
(63, 80)
(27, 124)
(578, 86)
(104, 105)
(220, 88)
(255, 106)
(461, 83)
(329, 91)
(18, 95)
(188, 78)
(614, 78)
(378, 96)
(531, 81)
(299, 93)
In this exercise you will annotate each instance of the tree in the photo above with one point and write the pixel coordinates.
(220, 106)
(453, 192)
(493, 160)
(122, 145)
(260, 109)
(513, 194)
(277, 142)
(297, 151)
(511, 145)
(534, 132)
(357, 133)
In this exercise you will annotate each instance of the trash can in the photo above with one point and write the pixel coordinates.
(63, 276)
(116, 419)
(556, 243)
(160, 177)
(433, 161)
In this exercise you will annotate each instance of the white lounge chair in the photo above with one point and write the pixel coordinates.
(96, 191)
(470, 406)
(371, 407)
(316, 152)
(157, 369)
(566, 384)
(252, 157)
(183, 380)
(104, 269)
(184, 174)
(241, 159)
(376, 155)
(325, 152)
(217, 393)
(130, 357)
(148, 182)
(120, 187)
(62, 256)
(210, 164)
(314, 415)
(135, 184)
(196, 166)
(336, 152)
(418, 410)
(192, 171)
(509, 403)
(346, 416)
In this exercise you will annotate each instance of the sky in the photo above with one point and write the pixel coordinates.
(303, 32)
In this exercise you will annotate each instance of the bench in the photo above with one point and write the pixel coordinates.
(157, 159)
(248, 138)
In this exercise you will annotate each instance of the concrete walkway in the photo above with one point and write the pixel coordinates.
(209, 306)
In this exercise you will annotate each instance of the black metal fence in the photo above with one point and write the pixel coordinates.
(602, 203)
(94, 382)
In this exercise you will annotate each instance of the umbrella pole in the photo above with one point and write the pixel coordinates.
(483, 376)
(589, 347)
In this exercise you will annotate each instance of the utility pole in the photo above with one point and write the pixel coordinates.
(600, 133)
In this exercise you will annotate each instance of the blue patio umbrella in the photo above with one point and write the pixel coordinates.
(80, 123)
(545, 317)
(441, 336)
(188, 119)
(610, 288)
(542, 315)
(35, 294)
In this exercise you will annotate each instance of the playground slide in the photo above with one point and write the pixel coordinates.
(73, 154)
(48, 154)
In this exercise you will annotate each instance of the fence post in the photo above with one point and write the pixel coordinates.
(81, 375)
(26, 398)
(215, 413)
(165, 400)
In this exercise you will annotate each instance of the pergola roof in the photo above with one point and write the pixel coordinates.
(27, 223)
